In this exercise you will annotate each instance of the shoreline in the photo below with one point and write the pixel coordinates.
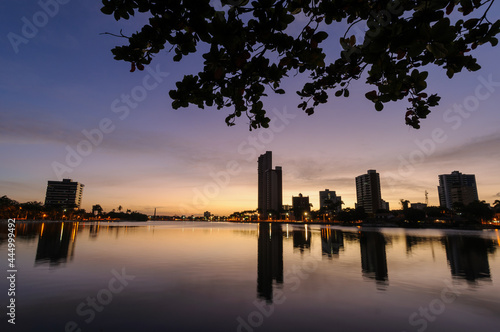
(364, 224)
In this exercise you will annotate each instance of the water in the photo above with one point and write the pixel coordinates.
(186, 276)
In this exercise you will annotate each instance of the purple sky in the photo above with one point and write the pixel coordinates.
(61, 82)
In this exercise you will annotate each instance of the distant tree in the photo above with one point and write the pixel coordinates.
(120, 208)
(34, 210)
(251, 46)
(458, 207)
(330, 206)
(97, 209)
(405, 204)
(435, 211)
(8, 208)
(414, 215)
(349, 215)
(478, 211)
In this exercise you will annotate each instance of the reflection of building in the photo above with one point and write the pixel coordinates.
(56, 243)
(65, 193)
(368, 192)
(332, 241)
(328, 198)
(468, 257)
(414, 241)
(302, 239)
(270, 185)
(457, 188)
(269, 259)
(373, 257)
(301, 207)
(94, 230)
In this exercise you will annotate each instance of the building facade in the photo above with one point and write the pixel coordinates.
(301, 207)
(457, 188)
(270, 186)
(66, 194)
(368, 192)
(327, 198)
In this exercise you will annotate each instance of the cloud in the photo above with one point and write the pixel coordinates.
(479, 147)
(498, 194)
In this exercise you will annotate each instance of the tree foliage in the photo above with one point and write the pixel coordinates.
(253, 45)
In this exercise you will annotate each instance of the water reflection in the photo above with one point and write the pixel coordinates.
(332, 242)
(302, 239)
(468, 256)
(56, 243)
(414, 241)
(269, 259)
(373, 256)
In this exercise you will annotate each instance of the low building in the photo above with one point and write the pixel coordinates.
(301, 207)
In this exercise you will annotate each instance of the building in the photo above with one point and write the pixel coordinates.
(301, 207)
(328, 198)
(66, 194)
(368, 192)
(418, 206)
(457, 188)
(270, 186)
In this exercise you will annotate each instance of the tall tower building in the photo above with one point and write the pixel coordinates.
(65, 194)
(368, 192)
(270, 186)
(457, 188)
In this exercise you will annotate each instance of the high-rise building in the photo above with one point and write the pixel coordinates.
(65, 194)
(300, 206)
(457, 188)
(328, 198)
(368, 192)
(270, 186)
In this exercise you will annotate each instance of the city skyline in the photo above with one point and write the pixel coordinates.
(72, 111)
(368, 191)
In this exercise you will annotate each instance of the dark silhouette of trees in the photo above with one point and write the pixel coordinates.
(33, 210)
(405, 203)
(414, 215)
(478, 211)
(250, 47)
(350, 215)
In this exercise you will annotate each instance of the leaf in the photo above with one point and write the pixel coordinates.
(372, 95)
(108, 10)
(379, 106)
(470, 23)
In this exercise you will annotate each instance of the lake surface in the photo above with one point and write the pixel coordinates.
(191, 276)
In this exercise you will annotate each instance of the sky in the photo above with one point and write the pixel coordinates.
(69, 110)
